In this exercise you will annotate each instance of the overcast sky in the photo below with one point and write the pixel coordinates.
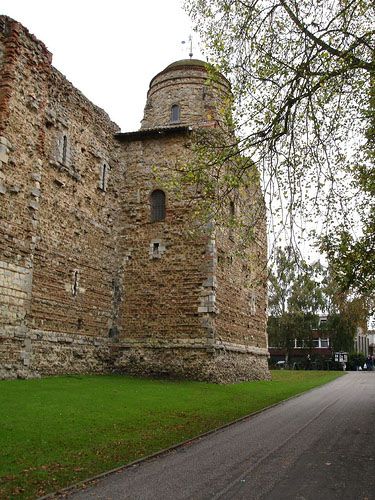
(109, 49)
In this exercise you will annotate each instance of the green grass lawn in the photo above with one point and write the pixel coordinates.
(59, 430)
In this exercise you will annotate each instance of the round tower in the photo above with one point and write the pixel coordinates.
(187, 92)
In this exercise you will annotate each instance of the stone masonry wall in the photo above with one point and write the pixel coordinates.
(241, 274)
(88, 283)
(58, 267)
(75, 260)
(216, 366)
(24, 74)
(161, 287)
(232, 302)
(190, 87)
(184, 314)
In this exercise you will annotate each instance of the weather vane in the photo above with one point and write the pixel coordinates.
(190, 40)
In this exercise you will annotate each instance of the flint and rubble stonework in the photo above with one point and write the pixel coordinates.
(88, 283)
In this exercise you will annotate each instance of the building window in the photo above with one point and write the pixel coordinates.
(323, 321)
(75, 283)
(175, 113)
(155, 250)
(64, 149)
(232, 214)
(104, 171)
(232, 210)
(157, 205)
(253, 303)
(324, 342)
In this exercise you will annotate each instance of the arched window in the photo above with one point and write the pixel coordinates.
(157, 205)
(175, 113)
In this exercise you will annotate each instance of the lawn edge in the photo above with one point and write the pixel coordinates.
(81, 485)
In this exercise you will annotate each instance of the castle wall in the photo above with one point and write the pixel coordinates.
(162, 289)
(241, 294)
(196, 308)
(58, 266)
(241, 273)
(88, 283)
(75, 260)
(234, 306)
(25, 66)
(75, 264)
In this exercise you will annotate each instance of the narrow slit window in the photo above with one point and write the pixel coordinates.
(157, 205)
(232, 213)
(75, 283)
(232, 210)
(175, 113)
(64, 149)
(103, 177)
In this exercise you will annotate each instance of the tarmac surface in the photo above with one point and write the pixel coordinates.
(317, 446)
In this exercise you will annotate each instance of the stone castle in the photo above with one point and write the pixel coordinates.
(99, 269)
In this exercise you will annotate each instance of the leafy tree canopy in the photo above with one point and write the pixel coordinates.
(300, 292)
(295, 286)
(303, 79)
(295, 299)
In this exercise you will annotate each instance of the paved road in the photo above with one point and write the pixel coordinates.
(319, 446)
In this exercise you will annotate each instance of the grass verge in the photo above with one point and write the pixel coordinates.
(59, 430)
